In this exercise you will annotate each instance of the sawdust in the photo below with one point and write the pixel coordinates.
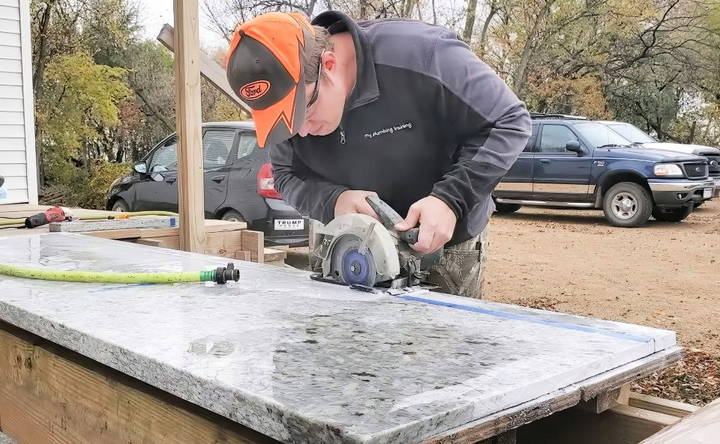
(663, 275)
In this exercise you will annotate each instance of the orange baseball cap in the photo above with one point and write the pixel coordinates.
(264, 68)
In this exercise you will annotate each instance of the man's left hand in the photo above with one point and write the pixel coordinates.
(437, 223)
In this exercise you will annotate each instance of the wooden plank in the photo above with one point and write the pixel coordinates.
(213, 72)
(149, 242)
(189, 127)
(660, 405)
(51, 395)
(273, 255)
(242, 255)
(601, 402)
(172, 242)
(215, 225)
(254, 242)
(211, 227)
(701, 427)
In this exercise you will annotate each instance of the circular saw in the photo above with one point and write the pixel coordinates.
(363, 252)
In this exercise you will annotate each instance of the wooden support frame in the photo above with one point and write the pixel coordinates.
(49, 394)
(213, 72)
(191, 197)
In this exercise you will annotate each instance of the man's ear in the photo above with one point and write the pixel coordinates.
(329, 60)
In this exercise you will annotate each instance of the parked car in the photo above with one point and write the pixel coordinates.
(575, 163)
(238, 184)
(639, 137)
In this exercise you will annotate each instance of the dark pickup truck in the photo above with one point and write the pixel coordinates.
(576, 163)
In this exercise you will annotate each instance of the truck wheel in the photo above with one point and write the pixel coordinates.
(672, 214)
(232, 216)
(120, 206)
(627, 204)
(505, 208)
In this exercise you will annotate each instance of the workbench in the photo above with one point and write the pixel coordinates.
(277, 356)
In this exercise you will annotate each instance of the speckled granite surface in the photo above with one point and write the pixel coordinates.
(303, 361)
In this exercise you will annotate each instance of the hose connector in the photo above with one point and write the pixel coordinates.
(225, 274)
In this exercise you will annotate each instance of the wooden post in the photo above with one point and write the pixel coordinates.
(209, 69)
(189, 127)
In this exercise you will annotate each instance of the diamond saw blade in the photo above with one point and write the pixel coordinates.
(350, 265)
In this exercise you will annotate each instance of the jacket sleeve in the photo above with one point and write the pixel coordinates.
(491, 124)
(310, 194)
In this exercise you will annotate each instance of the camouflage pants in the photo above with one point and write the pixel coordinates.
(461, 269)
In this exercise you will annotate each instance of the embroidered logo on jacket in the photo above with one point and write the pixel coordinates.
(389, 130)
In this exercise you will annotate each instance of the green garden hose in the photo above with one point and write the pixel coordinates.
(220, 275)
(4, 222)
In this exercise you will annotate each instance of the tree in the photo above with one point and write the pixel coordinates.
(81, 98)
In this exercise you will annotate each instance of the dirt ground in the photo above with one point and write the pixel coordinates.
(664, 275)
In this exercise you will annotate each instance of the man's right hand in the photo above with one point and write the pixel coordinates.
(353, 201)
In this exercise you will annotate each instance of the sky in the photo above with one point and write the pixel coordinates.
(155, 13)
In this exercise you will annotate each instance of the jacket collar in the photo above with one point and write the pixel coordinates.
(366, 86)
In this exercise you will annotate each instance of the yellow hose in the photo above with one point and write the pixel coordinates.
(220, 275)
(21, 221)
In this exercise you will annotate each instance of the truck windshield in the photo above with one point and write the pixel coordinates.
(600, 135)
(631, 133)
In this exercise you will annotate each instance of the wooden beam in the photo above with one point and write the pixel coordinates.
(660, 405)
(189, 127)
(701, 427)
(602, 401)
(49, 394)
(209, 69)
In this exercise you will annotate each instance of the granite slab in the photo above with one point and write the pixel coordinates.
(304, 361)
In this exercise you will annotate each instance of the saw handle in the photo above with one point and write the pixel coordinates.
(389, 218)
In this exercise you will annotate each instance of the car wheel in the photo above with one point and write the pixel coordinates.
(232, 216)
(698, 204)
(672, 214)
(506, 208)
(627, 204)
(120, 206)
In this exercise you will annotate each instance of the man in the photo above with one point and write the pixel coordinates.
(394, 107)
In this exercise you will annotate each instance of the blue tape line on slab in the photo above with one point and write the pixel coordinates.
(519, 317)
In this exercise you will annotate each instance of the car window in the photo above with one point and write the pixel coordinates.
(164, 158)
(631, 133)
(531, 140)
(555, 137)
(216, 147)
(600, 135)
(247, 145)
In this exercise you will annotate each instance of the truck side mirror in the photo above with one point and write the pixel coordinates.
(574, 146)
(140, 167)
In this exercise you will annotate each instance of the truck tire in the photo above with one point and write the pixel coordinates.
(506, 208)
(627, 204)
(120, 206)
(232, 216)
(671, 214)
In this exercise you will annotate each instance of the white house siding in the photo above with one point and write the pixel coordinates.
(17, 141)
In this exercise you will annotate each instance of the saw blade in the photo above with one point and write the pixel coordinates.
(350, 264)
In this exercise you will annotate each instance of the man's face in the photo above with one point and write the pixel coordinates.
(323, 116)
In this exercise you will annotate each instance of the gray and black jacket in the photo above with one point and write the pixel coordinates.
(426, 117)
